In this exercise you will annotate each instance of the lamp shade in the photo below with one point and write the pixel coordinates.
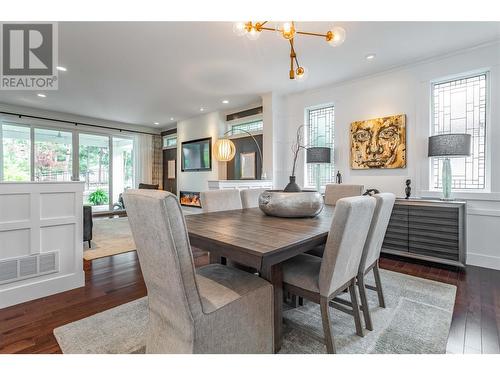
(450, 145)
(224, 149)
(319, 155)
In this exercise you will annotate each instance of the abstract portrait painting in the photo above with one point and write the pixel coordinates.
(379, 143)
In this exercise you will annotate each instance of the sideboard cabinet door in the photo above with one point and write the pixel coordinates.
(434, 231)
(396, 237)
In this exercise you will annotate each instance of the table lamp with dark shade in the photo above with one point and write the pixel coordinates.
(449, 145)
(318, 155)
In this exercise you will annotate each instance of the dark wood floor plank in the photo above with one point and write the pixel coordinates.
(112, 281)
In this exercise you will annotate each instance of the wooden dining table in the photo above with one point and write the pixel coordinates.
(262, 242)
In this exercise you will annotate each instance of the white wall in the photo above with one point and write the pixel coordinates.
(407, 90)
(208, 125)
(274, 137)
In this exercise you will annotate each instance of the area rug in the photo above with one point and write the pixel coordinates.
(416, 320)
(110, 237)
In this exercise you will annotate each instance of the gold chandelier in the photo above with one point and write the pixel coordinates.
(335, 37)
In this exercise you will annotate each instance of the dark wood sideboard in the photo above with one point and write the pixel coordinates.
(431, 230)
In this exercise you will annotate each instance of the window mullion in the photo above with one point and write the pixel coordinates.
(32, 153)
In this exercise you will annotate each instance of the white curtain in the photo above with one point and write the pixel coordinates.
(143, 159)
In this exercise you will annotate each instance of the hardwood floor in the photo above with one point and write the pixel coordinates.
(112, 281)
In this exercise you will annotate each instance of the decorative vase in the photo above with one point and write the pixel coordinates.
(306, 203)
(292, 186)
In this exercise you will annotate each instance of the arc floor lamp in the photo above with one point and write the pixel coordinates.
(224, 149)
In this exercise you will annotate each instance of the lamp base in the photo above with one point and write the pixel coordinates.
(446, 179)
(447, 199)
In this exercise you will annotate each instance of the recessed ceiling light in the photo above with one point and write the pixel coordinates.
(370, 56)
(202, 109)
(225, 101)
(171, 119)
(61, 68)
(42, 95)
(156, 123)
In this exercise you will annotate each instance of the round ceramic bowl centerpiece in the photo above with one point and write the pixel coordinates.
(306, 203)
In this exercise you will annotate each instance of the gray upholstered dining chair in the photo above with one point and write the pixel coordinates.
(250, 197)
(334, 192)
(371, 253)
(217, 309)
(320, 280)
(220, 200)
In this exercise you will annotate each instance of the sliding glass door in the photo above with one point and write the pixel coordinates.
(53, 155)
(103, 161)
(123, 171)
(16, 152)
(94, 170)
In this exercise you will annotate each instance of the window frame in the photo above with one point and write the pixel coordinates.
(487, 132)
(241, 132)
(307, 141)
(167, 138)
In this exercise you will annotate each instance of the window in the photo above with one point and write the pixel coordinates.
(170, 141)
(28, 152)
(94, 169)
(16, 153)
(53, 155)
(123, 171)
(251, 127)
(459, 106)
(320, 125)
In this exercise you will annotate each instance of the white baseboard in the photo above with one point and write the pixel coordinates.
(485, 261)
(39, 289)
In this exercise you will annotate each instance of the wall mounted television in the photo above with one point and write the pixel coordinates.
(196, 155)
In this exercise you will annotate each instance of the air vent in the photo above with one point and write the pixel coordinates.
(8, 270)
(16, 269)
(27, 266)
(47, 262)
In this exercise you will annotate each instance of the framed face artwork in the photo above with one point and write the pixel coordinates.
(379, 143)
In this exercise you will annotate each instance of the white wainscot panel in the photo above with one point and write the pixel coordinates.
(41, 236)
(14, 243)
(60, 238)
(14, 207)
(483, 234)
(54, 205)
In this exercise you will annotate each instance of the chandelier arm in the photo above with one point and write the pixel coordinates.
(267, 28)
(297, 32)
(293, 54)
(311, 34)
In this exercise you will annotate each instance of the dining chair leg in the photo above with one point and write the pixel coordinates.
(301, 301)
(293, 301)
(327, 325)
(364, 303)
(355, 310)
(378, 284)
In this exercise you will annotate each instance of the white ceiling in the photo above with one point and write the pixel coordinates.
(146, 72)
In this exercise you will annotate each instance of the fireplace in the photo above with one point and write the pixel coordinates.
(190, 198)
